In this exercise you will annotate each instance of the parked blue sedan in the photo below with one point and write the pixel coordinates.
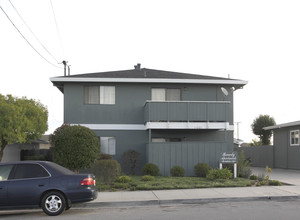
(25, 184)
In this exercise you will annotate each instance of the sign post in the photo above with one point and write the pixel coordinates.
(230, 158)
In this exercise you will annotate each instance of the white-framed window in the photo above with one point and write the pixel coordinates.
(162, 94)
(100, 95)
(108, 145)
(294, 138)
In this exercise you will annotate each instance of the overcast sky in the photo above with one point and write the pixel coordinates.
(257, 41)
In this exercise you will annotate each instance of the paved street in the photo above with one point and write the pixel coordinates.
(226, 211)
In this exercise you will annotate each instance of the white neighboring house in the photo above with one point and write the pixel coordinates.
(12, 152)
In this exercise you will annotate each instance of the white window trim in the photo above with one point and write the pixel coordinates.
(293, 131)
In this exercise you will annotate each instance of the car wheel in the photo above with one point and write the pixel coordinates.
(68, 205)
(53, 203)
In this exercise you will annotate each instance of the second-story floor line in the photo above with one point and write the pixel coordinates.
(161, 125)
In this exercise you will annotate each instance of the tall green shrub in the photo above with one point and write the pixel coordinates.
(130, 159)
(243, 166)
(106, 171)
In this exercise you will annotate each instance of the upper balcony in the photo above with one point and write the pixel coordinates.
(188, 114)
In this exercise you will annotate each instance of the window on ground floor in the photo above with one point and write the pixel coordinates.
(294, 138)
(108, 145)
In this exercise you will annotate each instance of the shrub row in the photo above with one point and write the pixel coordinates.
(200, 169)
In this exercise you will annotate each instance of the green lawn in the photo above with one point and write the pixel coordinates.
(163, 183)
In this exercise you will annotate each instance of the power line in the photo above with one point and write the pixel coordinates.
(57, 29)
(27, 40)
(32, 32)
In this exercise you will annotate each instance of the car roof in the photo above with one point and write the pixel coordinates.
(53, 168)
(25, 162)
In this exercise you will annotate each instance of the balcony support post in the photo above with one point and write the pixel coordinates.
(150, 136)
(188, 110)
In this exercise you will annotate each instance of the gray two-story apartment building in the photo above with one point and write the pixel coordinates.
(170, 118)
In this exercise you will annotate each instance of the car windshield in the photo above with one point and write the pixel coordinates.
(60, 169)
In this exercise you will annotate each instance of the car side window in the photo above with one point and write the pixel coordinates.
(5, 171)
(26, 171)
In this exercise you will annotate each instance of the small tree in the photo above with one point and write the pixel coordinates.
(21, 120)
(258, 125)
(75, 147)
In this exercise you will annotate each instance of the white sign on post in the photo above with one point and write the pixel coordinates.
(229, 158)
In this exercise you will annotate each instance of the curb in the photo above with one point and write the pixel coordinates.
(183, 201)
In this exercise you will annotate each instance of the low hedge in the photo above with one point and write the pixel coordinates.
(177, 171)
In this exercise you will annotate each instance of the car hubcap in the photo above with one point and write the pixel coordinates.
(53, 203)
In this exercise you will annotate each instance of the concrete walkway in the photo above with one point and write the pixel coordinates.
(194, 196)
(287, 176)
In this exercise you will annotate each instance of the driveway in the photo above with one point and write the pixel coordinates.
(287, 176)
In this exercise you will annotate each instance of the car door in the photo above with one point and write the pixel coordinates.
(28, 183)
(5, 171)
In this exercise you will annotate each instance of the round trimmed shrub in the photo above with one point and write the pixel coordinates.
(150, 169)
(177, 171)
(148, 178)
(201, 169)
(219, 174)
(75, 147)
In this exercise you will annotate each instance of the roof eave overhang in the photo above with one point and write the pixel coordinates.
(56, 80)
(296, 123)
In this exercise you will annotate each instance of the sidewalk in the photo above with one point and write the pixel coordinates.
(206, 195)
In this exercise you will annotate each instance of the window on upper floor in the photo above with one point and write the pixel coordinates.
(294, 138)
(108, 145)
(99, 95)
(162, 94)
